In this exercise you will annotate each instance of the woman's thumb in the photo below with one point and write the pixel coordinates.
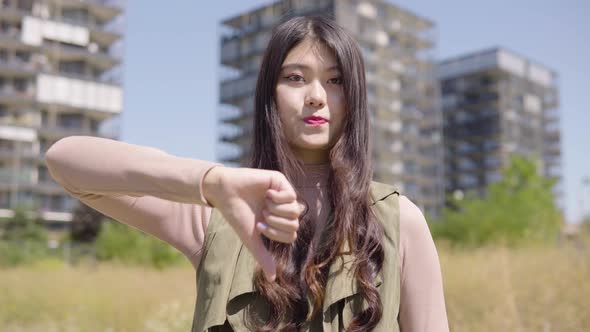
(263, 257)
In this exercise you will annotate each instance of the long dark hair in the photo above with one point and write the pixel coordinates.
(301, 273)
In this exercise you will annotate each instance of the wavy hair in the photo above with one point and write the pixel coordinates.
(303, 275)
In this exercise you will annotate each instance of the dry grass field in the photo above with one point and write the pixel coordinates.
(487, 289)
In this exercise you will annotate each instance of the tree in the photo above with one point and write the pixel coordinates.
(86, 224)
(519, 208)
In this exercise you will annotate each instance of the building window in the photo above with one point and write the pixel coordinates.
(26, 5)
(70, 121)
(94, 124)
(72, 67)
(467, 180)
(493, 176)
(25, 198)
(465, 147)
(44, 118)
(412, 190)
(20, 84)
(492, 162)
(44, 174)
(466, 164)
(410, 167)
(6, 145)
(3, 56)
(490, 145)
(23, 57)
(75, 15)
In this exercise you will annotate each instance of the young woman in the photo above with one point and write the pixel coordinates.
(303, 239)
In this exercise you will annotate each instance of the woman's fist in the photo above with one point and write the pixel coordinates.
(254, 202)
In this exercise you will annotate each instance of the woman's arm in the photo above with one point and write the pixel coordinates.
(143, 187)
(422, 306)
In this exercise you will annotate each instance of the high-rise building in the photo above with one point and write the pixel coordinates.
(60, 75)
(497, 103)
(401, 87)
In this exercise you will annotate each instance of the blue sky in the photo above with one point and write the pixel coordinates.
(172, 51)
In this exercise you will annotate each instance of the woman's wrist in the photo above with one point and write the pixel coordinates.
(211, 184)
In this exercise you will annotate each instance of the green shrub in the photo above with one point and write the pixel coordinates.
(24, 239)
(123, 243)
(13, 253)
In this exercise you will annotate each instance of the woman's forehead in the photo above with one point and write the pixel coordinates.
(311, 54)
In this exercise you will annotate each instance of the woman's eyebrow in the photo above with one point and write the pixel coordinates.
(306, 67)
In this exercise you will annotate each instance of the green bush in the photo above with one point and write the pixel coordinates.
(24, 239)
(13, 253)
(125, 244)
(22, 227)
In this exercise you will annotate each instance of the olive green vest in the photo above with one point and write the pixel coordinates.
(225, 291)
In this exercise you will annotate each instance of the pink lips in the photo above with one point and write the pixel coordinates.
(315, 120)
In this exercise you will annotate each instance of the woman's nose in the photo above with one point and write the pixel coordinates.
(316, 96)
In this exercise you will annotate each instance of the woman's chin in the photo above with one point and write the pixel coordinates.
(313, 145)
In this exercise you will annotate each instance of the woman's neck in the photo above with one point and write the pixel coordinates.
(314, 175)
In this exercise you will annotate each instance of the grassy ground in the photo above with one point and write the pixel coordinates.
(488, 289)
(107, 297)
(496, 289)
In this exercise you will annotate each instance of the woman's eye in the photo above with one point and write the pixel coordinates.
(295, 78)
(337, 80)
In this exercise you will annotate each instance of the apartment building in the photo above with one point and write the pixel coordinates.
(497, 103)
(60, 75)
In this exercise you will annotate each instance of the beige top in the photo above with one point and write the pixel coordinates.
(161, 194)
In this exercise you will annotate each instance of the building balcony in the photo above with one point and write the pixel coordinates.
(102, 34)
(11, 132)
(14, 176)
(551, 116)
(552, 136)
(10, 39)
(104, 10)
(229, 152)
(391, 130)
(246, 119)
(233, 52)
(237, 135)
(13, 97)
(233, 90)
(10, 12)
(552, 150)
(48, 187)
(57, 132)
(98, 59)
(411, 113)
(552, 160)
(17, 68)
(79, 94)
(12, 153)
(45, 215)
(233, 114)
(112, 28)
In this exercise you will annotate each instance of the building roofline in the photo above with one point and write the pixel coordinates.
(227, 21)
(411, 12)
(256, 9)
(495, 49)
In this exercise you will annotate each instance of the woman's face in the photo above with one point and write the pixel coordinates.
(310, 101)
